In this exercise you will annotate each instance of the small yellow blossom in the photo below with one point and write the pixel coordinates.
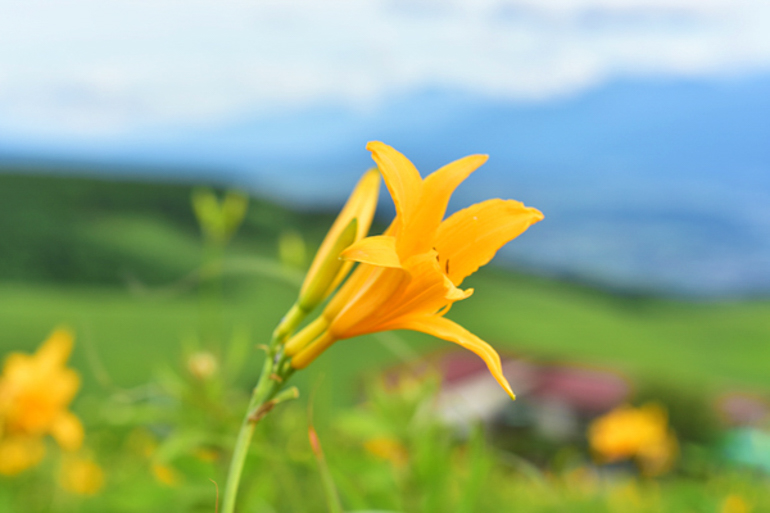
(735, 504)
(388, 448)
(408, 278)
(206, 454)
(166, 475)
(81, 476)
(202, 365)
(635, 433)
(18, 453)
(35, 391)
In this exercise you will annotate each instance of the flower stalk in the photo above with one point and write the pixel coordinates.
(326, 272)
(267, 393)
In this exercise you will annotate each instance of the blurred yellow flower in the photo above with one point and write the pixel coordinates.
(388, 448)
(19, 453)
(165, 474)
(735, 504)
(408, 278)
(81, 476)
(635, 433)
(35, 391)
(202, 365)
(206, 454)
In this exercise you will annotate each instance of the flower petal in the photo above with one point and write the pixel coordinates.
(361, 299)
(55, 350)
(379, 250)
(453, 332)
(424, 294)
(68, 431)
(470, 238)
(437, 189)
(18, 453)
(401, 177)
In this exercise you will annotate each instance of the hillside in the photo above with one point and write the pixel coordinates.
(72, 246)
(62, 229)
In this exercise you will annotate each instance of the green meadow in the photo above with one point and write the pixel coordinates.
(123, 265)
(713, 345)
(117, 262)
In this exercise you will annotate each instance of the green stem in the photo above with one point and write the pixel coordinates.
(266, 388)
(275, 373)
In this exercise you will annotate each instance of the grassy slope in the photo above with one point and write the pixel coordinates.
(704, 344)
(700, 343)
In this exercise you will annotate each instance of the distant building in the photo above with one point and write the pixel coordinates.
(555, 399)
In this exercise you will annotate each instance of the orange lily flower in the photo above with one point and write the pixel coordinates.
(408, 278)
(640, 433)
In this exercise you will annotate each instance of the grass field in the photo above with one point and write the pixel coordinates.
(72, 245)
(711, 345)
(122, 266)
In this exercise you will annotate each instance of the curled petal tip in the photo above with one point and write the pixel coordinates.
(536, 214)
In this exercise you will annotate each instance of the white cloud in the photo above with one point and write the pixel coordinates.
(89, 67)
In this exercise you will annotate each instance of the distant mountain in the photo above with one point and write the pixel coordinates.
(644, 184)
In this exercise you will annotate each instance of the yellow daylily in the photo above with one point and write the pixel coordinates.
(327, 269)
(408, 278)
(81, 475)
(35, 391)
(639, 433)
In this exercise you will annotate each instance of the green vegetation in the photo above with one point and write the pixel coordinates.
(78, 251)
(121, 263)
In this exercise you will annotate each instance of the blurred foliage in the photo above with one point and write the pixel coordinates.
(217, 219)
(160, 444)
(85, 230)
(160, 421)
(292, 249)
(690, 410)
(81, 231)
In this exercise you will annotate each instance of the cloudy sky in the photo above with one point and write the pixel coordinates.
(107, 68)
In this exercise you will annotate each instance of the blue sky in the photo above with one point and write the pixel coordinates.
(95, 69)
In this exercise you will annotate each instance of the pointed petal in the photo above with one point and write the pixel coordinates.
(56, 349)
(379, 250)
(427, 291)
(470, 238)
(437, 189)
(401, 177)
(453, 332)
